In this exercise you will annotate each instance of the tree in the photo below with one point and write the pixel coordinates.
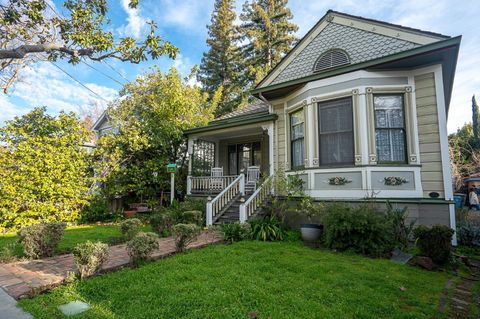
(43, 169)
(220, 67)
(269, 35)
(475, 119)
(150, 118)
(32, 30)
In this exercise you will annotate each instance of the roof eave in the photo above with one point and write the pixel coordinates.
(213, 126)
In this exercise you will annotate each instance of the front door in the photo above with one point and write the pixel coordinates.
(243, 155)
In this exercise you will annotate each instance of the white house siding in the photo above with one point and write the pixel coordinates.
(429, 135)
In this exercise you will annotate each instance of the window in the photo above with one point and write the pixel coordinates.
(297, 135)
(390, 128)
(331, 59)
(335, 128)
(203, 158)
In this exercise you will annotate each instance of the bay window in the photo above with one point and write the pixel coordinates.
(335, 128)
(297, 136)
(390, 128)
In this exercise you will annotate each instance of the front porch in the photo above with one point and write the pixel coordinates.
(230, 167)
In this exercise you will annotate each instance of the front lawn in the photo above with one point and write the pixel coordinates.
(73, 235)
(277, 280)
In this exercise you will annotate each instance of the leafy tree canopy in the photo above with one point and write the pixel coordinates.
(150, 118)
(43, 169)
(32, 30)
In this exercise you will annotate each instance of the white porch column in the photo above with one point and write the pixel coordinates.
(190, 154)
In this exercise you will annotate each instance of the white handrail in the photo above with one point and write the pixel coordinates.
(205, 184)
(215, 206)
(253, 202)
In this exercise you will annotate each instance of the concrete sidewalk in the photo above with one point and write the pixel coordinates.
(9, 309)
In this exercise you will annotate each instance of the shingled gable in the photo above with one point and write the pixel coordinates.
(362, 39)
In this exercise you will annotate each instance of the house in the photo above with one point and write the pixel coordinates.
(357, 108)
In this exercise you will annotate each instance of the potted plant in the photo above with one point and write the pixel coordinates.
(307, 207)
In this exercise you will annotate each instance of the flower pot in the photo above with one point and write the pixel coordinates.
(129, 213)
(311, 232)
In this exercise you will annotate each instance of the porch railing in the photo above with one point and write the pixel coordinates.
(248, 208)
(206, 184)
(216, 205)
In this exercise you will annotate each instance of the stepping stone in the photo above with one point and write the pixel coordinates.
(400, 257)
(74, 308)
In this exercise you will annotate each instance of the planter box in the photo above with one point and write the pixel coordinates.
(129, 213)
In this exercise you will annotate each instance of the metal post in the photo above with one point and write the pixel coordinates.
(172, 187)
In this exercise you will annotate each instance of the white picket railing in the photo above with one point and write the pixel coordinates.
(215, 206)
(248, 208)
(204, 184)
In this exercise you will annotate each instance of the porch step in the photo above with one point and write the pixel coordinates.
(232, 213)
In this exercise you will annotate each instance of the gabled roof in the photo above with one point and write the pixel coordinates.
(363, 39)
(100, 121)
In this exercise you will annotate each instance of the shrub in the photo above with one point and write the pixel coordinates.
(434, 242)
(130, 227)
(161, 222)
(89, 257)
(267, 229)
(461, 215)
(41, 240)
(469, 234)
(185, 234)
(96, 211)
(7, 253)
(191, 217)
(362, 229)
(236, 232)
(401, 230)
(142, 246)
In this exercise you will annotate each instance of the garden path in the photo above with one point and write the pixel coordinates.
(26, 278)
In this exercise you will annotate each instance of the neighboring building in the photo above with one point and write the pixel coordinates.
(358, 107)
(102, 125)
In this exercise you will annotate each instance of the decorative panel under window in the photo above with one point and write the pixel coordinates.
(203, 158)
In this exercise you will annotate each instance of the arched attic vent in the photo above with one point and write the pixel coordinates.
(330, 59)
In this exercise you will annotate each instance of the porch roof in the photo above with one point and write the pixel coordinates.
(251, 114)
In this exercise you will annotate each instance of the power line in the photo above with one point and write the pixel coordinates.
(105, 74)
(73, 78)
(111, 67)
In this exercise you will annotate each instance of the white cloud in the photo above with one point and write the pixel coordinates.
(45, 85)
(136, 23)
(188, 15)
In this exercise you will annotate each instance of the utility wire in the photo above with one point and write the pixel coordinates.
(105, 74)
(119, 73)
(73, 78)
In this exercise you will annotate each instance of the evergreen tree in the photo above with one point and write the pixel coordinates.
(475, 118)
(220, 65)
(269, 35)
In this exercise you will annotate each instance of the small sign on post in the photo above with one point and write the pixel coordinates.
(172, 168)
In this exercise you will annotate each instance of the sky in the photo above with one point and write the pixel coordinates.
(184, 24)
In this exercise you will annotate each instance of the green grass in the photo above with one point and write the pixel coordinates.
(73, 236)
(277, 280)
